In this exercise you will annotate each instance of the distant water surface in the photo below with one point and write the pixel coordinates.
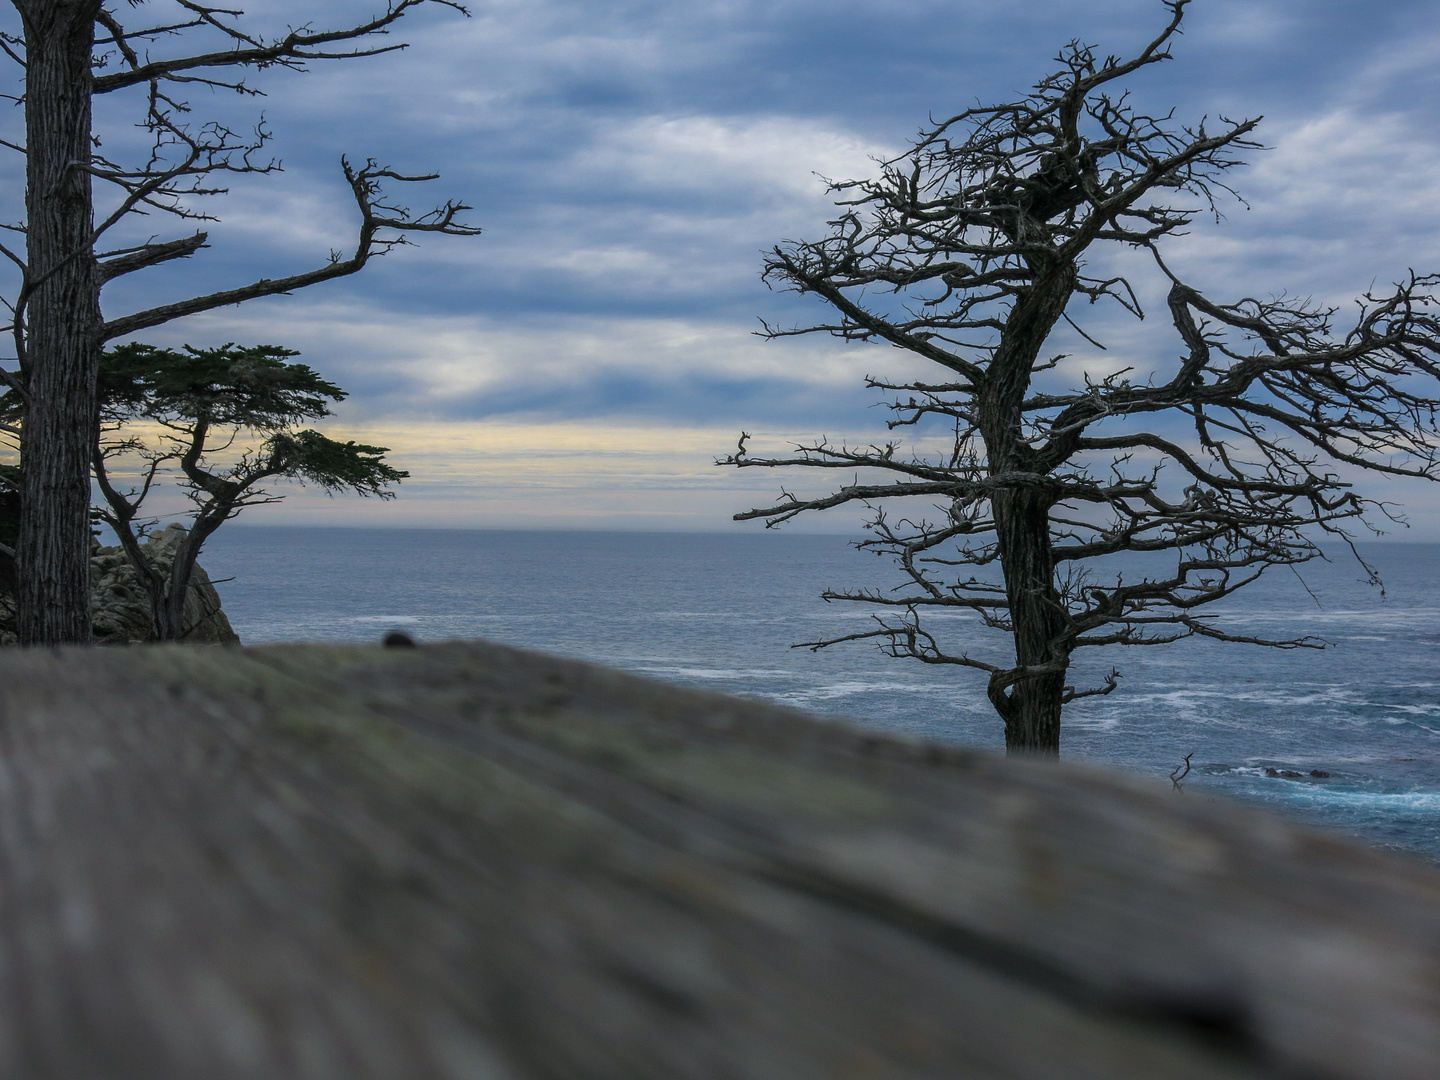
(721, 611)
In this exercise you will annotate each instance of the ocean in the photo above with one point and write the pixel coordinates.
(721, 611)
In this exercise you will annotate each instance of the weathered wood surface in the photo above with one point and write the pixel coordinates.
(464, 861)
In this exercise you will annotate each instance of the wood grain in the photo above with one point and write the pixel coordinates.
(465, 861)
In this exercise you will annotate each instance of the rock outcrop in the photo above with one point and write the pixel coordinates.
(120, 606)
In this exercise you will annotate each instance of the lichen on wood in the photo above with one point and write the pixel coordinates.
(469, 861)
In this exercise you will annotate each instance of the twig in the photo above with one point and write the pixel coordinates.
(1178, 774)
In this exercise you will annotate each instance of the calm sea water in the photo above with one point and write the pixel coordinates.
(721, 612)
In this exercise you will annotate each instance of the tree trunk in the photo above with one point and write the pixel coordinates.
(1031, 706)
(1032, 712)
(182, 569)
(63, 325)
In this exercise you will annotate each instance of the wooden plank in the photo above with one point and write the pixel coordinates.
(468, 861)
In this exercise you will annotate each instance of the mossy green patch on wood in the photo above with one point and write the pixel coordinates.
(585, 873)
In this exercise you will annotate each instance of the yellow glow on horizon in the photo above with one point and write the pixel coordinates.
(550, 457)
(509, 474)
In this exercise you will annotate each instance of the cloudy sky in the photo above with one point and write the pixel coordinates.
(583, 361)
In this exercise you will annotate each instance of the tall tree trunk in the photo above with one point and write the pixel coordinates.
(1031, 707)
(1032, 712)
(63, 325)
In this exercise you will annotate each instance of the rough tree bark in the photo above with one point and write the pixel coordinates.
(61, 342)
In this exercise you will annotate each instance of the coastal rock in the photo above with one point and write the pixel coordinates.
(120, 606)
(1291, 774)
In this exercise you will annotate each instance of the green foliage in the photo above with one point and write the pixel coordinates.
(227, 421)
(335, 466)
(213, 396)
(252, 387)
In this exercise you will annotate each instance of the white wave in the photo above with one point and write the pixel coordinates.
(1324, 792)
(406, 619)
(1391, 618)
(1404, 802)
(1410, 710)
(1399, 720)
(1267, 696)
(710, 673)
(1092, 723)
(848, 689)
(727, 615)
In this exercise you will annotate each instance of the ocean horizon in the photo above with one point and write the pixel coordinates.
(722, 611)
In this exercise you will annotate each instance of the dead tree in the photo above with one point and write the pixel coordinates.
(70, 52)
(970, 252)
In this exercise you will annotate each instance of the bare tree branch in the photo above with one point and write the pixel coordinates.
(128, 260)
(74, 50)
(293, 50)
(967, 251)
(376, 215)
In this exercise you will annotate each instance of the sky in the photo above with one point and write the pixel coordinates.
(583, 361)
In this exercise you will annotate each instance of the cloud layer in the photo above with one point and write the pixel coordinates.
(630, 161)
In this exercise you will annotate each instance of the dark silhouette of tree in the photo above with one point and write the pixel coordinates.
(970, 252)
(71, 52)
(240, 407)
(9, 531)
